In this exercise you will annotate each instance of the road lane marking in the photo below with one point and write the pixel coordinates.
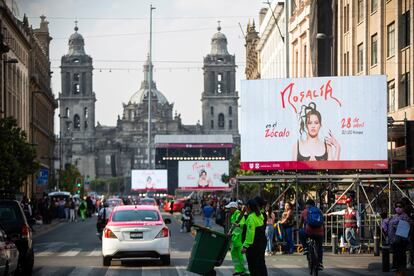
(70, 253)
(95, 253)
(80, 271)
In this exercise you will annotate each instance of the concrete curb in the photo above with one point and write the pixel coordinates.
(44, 228)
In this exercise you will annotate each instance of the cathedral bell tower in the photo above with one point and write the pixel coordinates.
(220, 98)
(77, 108)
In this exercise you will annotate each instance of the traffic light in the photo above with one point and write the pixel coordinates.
(78, 185)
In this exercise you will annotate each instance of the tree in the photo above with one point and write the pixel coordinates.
(68, 178)
(17, 157)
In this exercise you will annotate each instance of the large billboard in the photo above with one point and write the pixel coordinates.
(201, 174)
(314, 123)
(149, 180)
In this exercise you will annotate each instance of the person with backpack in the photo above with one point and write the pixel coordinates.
(312, 226)
(352, 224)
(103, 216)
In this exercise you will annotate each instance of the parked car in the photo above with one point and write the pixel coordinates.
(113, 202)
(9, 255)
(136, 231)
(18, 231)
(148, 201)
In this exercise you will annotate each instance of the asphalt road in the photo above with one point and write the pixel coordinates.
(74, 249)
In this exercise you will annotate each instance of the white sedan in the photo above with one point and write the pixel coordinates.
(136, 231)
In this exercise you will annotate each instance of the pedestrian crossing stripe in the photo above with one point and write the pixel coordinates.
(71, 253)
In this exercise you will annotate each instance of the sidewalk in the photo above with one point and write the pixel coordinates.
(40, 229)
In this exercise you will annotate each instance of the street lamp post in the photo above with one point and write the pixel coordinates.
(60, 148)
(149, 88)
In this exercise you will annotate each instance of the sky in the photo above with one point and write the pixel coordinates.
(116, 34)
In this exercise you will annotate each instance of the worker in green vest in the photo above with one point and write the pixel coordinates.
(237, 221)
(255, 240)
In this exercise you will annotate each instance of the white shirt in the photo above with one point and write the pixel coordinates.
(342, 212)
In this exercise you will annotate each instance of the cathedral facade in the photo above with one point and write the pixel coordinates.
(113, 151)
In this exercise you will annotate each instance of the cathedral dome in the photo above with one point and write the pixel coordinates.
(142, 95)
(76, 43)
(219, 43)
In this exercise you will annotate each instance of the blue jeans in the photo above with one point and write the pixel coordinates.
(351, 238)
(289, 239)
(207, 222)
(270, 230)
(318, 242)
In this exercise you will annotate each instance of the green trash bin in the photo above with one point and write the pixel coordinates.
(209, 250)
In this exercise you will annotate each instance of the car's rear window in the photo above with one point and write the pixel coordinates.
(135, 215)
(8, 213)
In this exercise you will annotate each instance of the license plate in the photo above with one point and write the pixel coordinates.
(136, 235)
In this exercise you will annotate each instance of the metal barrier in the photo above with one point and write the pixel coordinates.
(370, 229)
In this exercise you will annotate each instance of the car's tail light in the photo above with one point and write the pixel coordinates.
(163, 233)
(25, 231)
(109, 234)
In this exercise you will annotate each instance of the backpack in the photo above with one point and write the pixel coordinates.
(315, 217)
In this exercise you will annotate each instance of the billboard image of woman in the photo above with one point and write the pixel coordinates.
(312, 147)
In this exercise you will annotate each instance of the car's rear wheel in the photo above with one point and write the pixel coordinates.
(166, 259)
(106, 261)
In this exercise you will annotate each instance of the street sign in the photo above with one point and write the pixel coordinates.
(43, 177)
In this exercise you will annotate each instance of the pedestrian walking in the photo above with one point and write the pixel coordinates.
(172, 207)
(255, 240)
(83, 209)
(207, 214)
(72, 210)
(397, 229)
(237, 222)
(270, 230)
(67, 209)
(352, 224)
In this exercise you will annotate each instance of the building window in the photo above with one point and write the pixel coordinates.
(212, 110)
(85, 112)
(346, 18)
(219, 88)
(67, 113)
(390, 39)
(360, 10)
(404, 91)
(221, 120)
(212, 124)
(374, 57)
(346, 64)
(230, 124)
(76, 88)
(230, 111)
(220, 77)
(304, 61)
(405, 29)
(360, 62)
(76, 122)
(76, 77)
(374, 4)
(391, 96)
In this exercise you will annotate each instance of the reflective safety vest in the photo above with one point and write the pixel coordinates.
(350, 219)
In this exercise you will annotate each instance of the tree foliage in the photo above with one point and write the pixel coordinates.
(17, 156)
(68, 178)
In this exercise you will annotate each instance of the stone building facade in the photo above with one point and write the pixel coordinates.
(113, 151)
(42, 105)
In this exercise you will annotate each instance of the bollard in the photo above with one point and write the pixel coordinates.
(334, 242)
(385, 258)
(376, 245)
